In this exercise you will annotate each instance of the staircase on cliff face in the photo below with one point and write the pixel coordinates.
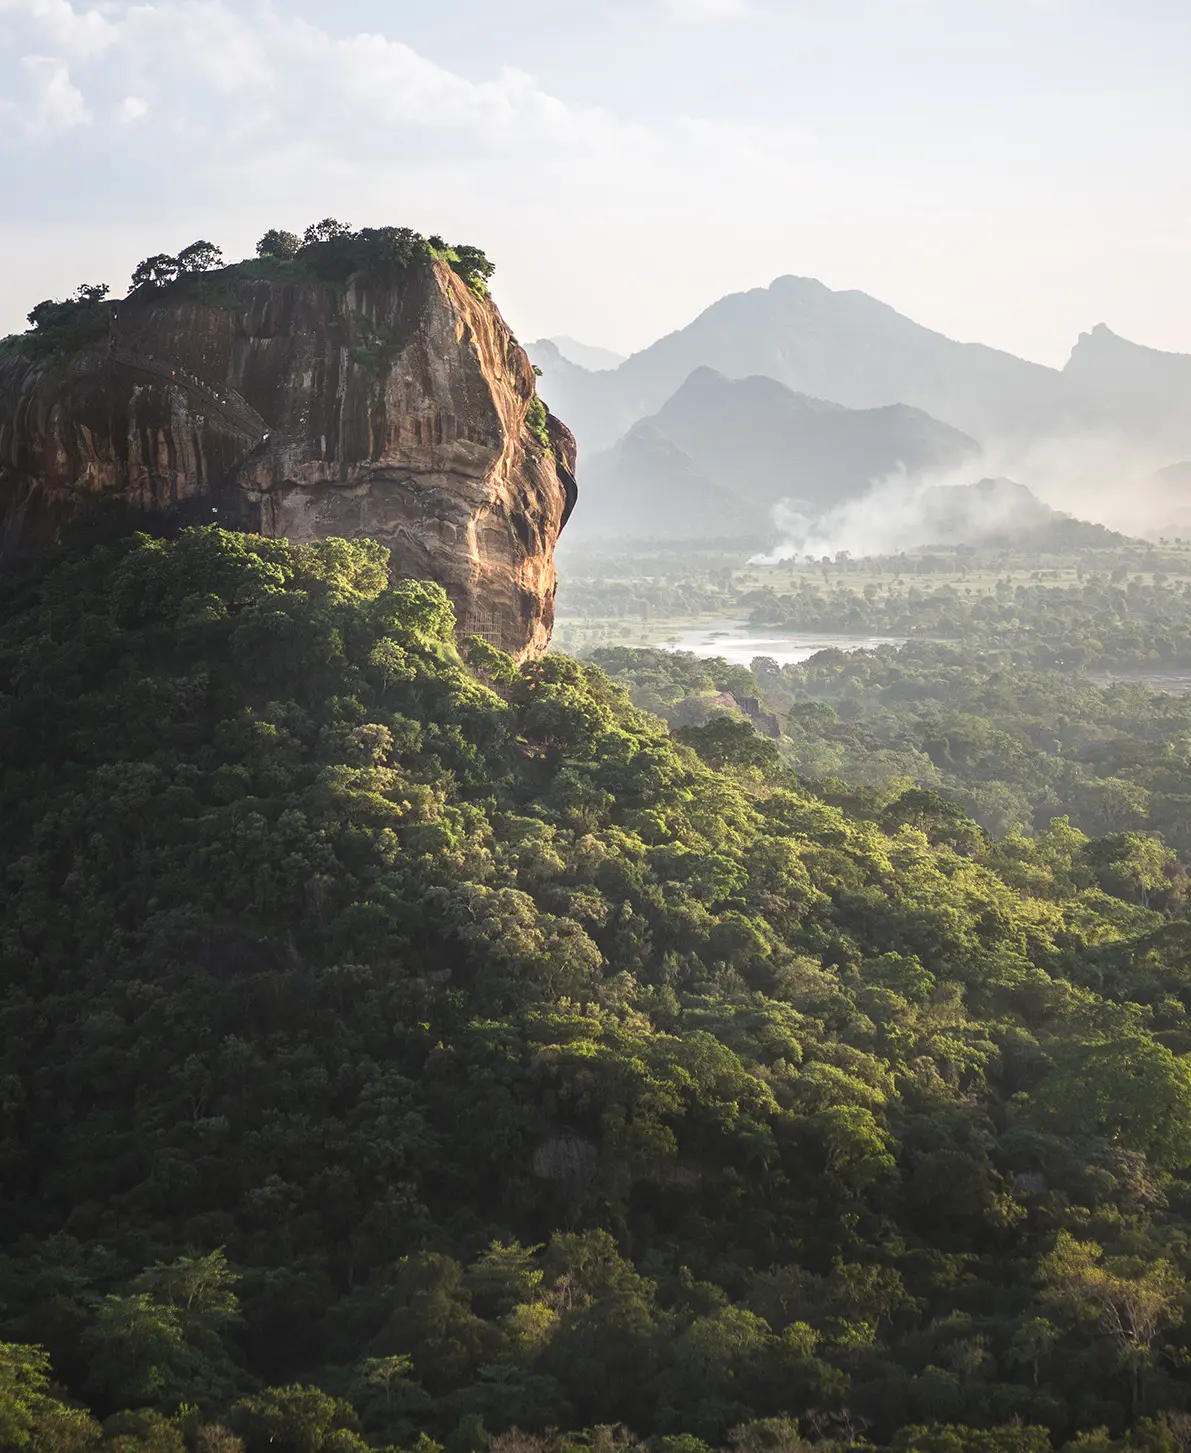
(234, 407)
(231, 405)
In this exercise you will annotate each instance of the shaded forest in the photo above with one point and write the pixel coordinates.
(1015, 746)
(408, 1051)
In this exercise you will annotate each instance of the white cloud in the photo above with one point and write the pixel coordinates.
(132, 109)
(79, 32)
(218, 74)
(265, 119)
(282, 100)
(57, 103)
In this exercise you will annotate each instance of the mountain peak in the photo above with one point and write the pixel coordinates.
(586, 355)
(1100, 335)
(793, 282)
(812, 288)
(1104, 360)
(704, 377)
(706, 383)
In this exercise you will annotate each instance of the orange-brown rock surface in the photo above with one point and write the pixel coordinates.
(399, 409)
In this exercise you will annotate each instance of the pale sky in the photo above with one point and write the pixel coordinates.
(1008, 171)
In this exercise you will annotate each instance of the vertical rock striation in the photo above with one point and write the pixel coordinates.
(396, 407)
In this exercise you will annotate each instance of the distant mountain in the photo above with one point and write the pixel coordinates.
(646, 488)
(857, 351)
(1140, 391)
(586, 355)
(998, 512)
(1176, 478)
(1102, 362)
(767, 443)
(1169, 493)
(559, 375)
(846, 347)
(721, 453)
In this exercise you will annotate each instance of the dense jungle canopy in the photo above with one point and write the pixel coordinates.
(403, 1051)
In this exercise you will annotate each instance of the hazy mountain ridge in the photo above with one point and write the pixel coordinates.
(584, 355)
(1103, 359)
(995, 512)
(646, 487)
(858, 351)
(846, 347)
(723, 453)
(789, 444)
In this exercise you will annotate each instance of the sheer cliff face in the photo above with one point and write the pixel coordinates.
(397, 410)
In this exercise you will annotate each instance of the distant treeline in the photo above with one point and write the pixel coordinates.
(1014, 746)
(1097, 623)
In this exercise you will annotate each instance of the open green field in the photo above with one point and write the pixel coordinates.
(655, 598)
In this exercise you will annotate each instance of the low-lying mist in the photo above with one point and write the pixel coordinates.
(1009, 495)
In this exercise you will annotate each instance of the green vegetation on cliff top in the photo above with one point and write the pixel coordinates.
(397, 1052)
(328, 251)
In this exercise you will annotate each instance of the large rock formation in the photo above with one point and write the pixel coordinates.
(400, 408)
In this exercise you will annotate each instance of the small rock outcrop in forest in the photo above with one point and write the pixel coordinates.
(390, 403)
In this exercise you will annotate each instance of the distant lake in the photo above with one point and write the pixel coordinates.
(739, 643)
